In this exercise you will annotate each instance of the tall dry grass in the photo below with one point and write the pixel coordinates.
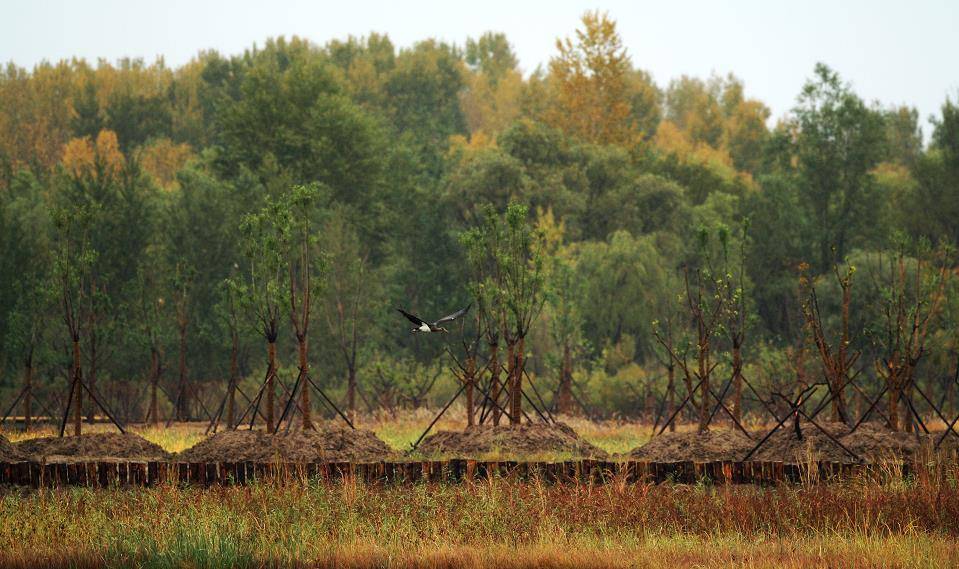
(493, 523)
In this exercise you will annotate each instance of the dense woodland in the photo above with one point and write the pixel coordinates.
(149, 217)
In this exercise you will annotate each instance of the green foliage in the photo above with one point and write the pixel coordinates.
(564, 202)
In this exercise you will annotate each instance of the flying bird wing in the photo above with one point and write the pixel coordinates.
(412, 318)
(453, 316)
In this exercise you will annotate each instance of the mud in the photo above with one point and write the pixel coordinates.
(710, 446)
(93, 446)
(8, 452)
(509, 442)
(328, 444)
(871, 442)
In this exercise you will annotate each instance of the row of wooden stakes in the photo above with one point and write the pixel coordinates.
(107, 474)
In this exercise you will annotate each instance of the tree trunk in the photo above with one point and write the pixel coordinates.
(564, 397)
(27, 390)
(737, 381)
(305, 385)
(183, 409)
(470, 381)
(77, 388)
(351, 393)
(893, 407)
(231, 387)
(516, 382)
(671, 394)
(704, 377)
(270, 374)
(92, 377)
(154, 386)
(494, 381)
(839, 378)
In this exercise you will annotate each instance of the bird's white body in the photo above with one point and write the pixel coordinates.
(424, 328)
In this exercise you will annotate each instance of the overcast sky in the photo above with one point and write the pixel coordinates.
(895, 52)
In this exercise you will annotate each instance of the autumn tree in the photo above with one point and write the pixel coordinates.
(590, 76)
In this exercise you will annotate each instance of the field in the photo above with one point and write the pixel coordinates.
(498, 523)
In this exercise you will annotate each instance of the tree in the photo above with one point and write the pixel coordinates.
(74, 257)
(25, 288)
(262, 293)
(837, 359)
(507, 254)
(837, 142)
(708, 303)
(564, 292)
(348, 296)
(912, 298)
(591, 98)
(292, 218)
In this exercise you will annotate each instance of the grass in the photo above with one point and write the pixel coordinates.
(884, 522)
(495, 524)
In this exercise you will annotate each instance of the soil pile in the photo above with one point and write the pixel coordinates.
(8, 452)
(871, 441)
(875, 442)
(699, 447)
(326, 444)
(93, 446)
(509, 442)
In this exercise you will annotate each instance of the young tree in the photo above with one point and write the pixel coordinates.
(509, 253)
(837, 361)
(912, 298)
(73, 260)
(565, 325)
(347, 297)
(293, 217)
(152, 324)
(262, 293)
(707, 302)
(229, 313)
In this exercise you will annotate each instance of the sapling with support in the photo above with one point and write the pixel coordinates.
(72, 273)
(508, 261)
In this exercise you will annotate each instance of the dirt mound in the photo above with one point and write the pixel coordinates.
(785, 446)
(705, 447)
(509, 441)
(875, 442)
(327, 444)
(93, 446)
(8, 452)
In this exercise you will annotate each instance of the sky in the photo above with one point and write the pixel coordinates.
(891, 52)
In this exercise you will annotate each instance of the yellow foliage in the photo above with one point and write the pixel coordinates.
(163, 158)
(552, 229)
(671, 140)
(591, 97)
(78, 156)
(98, 161)
(491, 108)
(465, 148)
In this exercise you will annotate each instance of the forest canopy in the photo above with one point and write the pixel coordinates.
(144, 193)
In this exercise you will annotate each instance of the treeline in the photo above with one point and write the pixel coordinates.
(136, 188)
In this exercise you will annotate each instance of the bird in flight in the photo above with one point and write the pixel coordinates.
(424, 326)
